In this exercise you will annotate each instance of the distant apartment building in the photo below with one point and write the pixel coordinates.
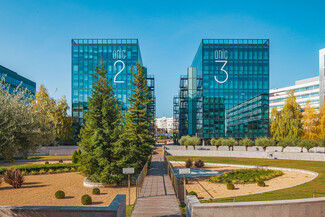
(165, 123)
(14, 80)
(304, 90)
(310, 89)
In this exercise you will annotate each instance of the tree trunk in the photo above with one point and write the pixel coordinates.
(194, 147)
(282, 148)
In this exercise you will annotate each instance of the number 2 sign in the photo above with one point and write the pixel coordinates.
(123, 66)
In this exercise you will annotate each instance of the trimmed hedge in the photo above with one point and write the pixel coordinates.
(27, 168)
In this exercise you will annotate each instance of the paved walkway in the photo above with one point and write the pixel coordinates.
(157, 197)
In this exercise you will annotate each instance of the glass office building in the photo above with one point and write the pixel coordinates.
(118, 55)
(14, 80)
(225, 92)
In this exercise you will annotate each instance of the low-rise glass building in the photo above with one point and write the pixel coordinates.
(225, 91)
(118, 55)
(14, 80)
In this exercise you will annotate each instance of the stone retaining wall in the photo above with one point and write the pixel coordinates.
(313, 207)
(55, 151)
(116, 209)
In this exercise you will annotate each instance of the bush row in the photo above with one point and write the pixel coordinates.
(265, 142)
(246, 176)
(28, 168)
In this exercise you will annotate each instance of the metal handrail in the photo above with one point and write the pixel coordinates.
(142, 175)
(171, 175)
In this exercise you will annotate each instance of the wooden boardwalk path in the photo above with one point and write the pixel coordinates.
(157, 196)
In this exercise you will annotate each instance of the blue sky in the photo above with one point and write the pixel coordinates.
(35, 36)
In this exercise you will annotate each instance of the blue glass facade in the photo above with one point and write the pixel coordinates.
(15, 80)
(118, 55)
(225, 92)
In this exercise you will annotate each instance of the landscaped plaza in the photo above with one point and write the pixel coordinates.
(162, 109)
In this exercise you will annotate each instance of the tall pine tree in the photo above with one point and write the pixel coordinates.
(138, 129)
(101, 131)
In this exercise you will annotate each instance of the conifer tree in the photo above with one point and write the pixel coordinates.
(100, 132)
(138, 130)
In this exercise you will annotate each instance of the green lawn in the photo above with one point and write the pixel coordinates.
(317, 186)
(49, 157)
(129, 209)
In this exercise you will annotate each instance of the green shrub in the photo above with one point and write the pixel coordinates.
(58, 171)
(72, 169)
(188, 163)
(14, 178)
(34, 172)
(246, 175)
(287, 142)
(42, 171)
(86, 199)
(96, 191)
(308, 144)
(60, 161)
(66, 170)
(193, 141)
(46, 163)
(37, 167)
(193, 193)
(75, 157)
(199, 163)
(50, 171)
(216, 142)
(261, 183)
(230, 142)
(186, 181)
(183, 140)
(230, 186)
(264, 142)
(246, 142)
(59, 194)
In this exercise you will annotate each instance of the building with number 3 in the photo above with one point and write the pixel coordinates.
(226, 91)
(118, 55)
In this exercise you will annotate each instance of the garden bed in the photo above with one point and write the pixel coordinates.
(206, 189)
(39, 190)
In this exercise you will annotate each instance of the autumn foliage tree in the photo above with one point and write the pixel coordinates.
(54, 114)
(321, 122)
(287, 122)
(309, 122)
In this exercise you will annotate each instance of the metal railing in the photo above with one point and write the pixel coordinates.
(142, 175)
(171, 175)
